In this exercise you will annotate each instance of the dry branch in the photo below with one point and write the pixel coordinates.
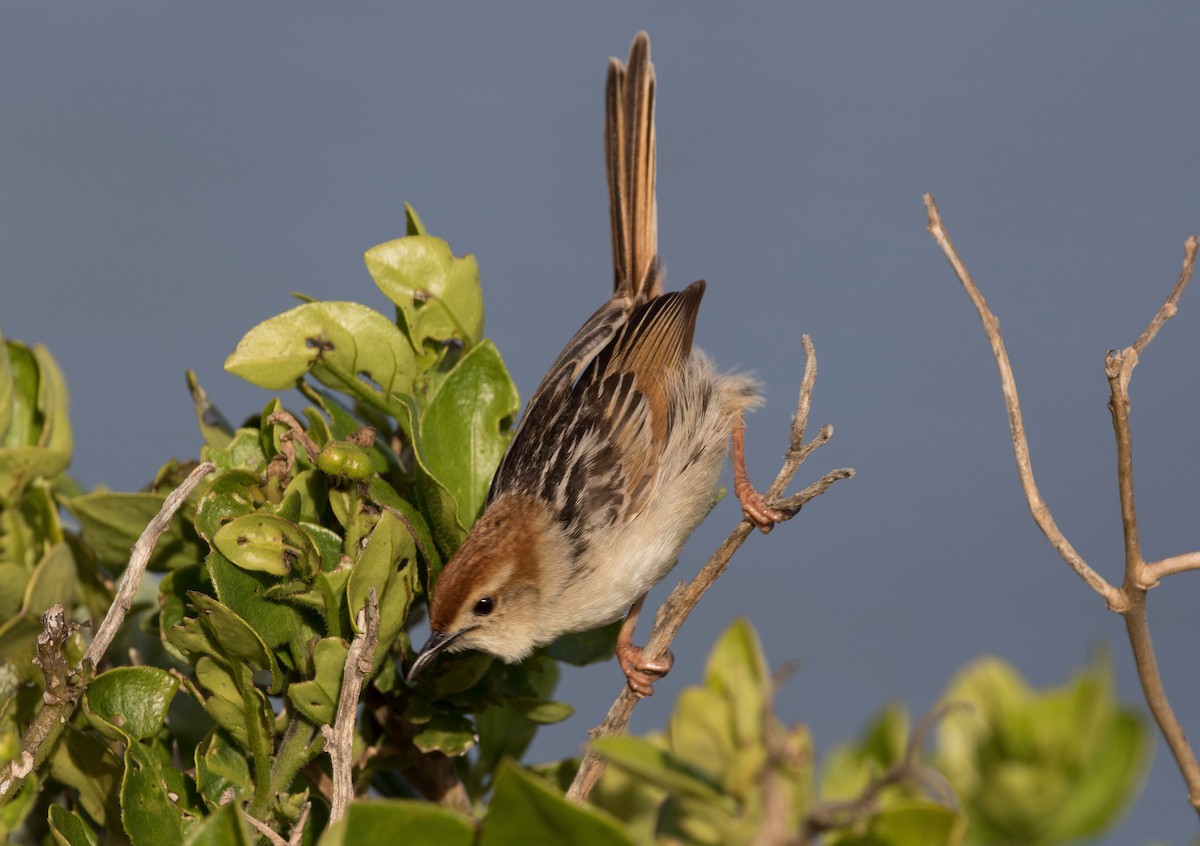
(1130, 599)
(339, 737)
(684, 597)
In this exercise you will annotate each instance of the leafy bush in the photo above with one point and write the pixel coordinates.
(213, 701)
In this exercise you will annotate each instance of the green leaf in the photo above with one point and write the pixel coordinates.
(339, 342)
(113, 522)
(412, 223)
(230, 494)
(21, 465)
(268, 544)
(317, 698)
(526, 810)
(224, 827)
(463, 435)
(383, 494)
(152, 809)
(387, 563)
(438, 294)
(134, 700)
(7, 388)
(243, 452)
(68, 828)
(380, 822)
(218, 631)
(221, 768)
(52, 404)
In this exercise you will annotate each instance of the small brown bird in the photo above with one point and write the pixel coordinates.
(619, 454)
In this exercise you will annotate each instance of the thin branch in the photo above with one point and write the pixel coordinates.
(1139, 578)
(1169, 566)
(1008, 384)
(339, 738)
(684, 597)
(1130, 599)
(1138, 627)
(1171, 306)
(65, 686)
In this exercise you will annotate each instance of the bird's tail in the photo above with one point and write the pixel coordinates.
(629, 149)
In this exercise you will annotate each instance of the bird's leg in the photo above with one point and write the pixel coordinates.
(641, 672)
(753, 505)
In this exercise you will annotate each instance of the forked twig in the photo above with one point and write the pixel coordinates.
(684, 597)
(1130, 599)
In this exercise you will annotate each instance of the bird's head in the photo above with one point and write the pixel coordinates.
(497, 593)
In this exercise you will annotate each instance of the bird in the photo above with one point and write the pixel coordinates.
(618, 456)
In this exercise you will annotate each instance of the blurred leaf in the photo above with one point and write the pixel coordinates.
(52, 580)
(113, 522)
(658, 766)
(1040, 767)
(584, 648)
(339, 342)
(82, 761)
(916, 824)
(437, 293)
(526, 810)
(22, 464)
(7, 388)
(738, 669)
(133, 699)
(381, 822)
(68, 828)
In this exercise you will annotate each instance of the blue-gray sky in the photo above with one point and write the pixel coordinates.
(169, 173)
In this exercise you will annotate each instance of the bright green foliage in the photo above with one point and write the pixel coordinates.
(370, 486)
(1041, 767)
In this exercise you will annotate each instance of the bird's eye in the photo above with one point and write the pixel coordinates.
(485, 606)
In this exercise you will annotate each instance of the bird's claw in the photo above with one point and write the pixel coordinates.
(640, 671)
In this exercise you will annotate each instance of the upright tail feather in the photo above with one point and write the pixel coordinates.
(629, 149)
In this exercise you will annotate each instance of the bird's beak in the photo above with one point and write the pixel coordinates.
(436, 643)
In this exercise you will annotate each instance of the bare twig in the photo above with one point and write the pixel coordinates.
(1008, 384)
(339, 738)
(684, 597)
(64, 686)
(1130, 599)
